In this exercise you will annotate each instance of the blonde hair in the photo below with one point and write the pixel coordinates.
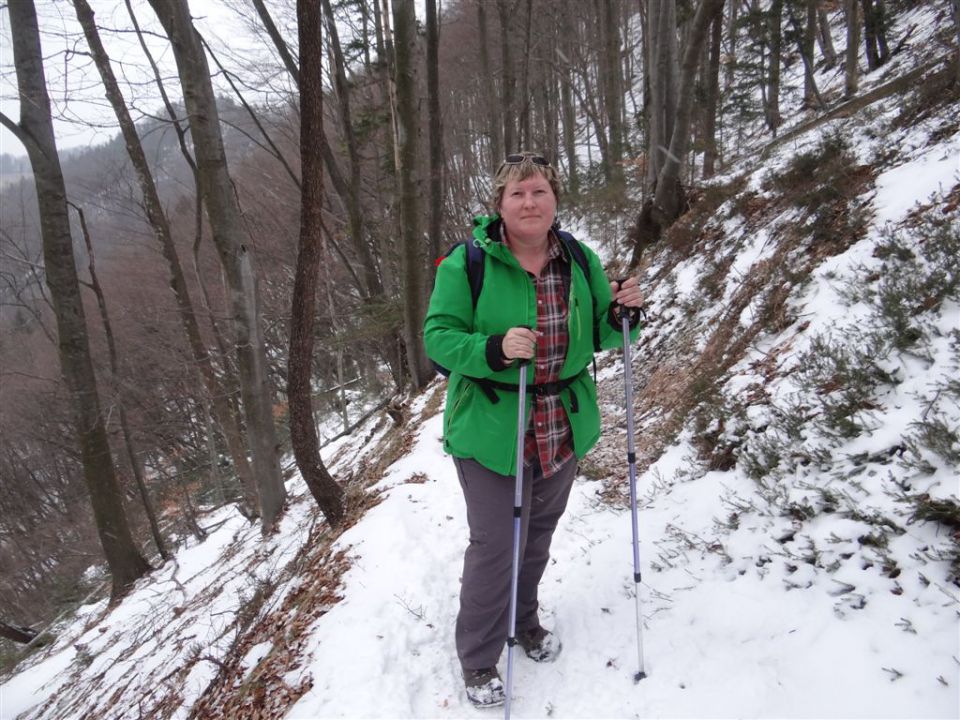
(523, 170)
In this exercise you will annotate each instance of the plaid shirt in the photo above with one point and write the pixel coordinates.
(549, 436)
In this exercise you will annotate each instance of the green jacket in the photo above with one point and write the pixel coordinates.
(456, 337)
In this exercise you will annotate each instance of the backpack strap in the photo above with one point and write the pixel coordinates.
(580, 257)
(474, 267)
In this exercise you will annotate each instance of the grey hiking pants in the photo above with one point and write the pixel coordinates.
(483, 622)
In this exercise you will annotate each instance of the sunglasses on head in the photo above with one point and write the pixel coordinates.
(520, 157)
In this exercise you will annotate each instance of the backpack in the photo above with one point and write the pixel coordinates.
(475, 266)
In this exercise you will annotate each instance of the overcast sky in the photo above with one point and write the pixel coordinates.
(82, 116)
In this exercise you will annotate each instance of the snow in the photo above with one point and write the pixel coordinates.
(748, 611)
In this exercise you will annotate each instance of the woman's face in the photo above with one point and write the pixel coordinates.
(528, 208)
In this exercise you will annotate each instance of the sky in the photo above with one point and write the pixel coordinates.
(76, 93)
(82, 115)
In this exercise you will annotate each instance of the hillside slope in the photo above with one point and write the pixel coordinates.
(798, 419)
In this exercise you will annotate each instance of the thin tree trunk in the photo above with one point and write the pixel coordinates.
(810, 92)
(492, 99)
(955, 7)
(670, 197)
(135, 465)
(352, 199)
(303, 433)
(411, 256)
(35, 130)
(851, 56)
(434, 228)
(17, 633)
(568, 111)
(158, 220)
(282, 50)
(235, 255)
(731, 63)
(825, 37)
(613, 93)
(507, 79)
(775, 30)
(713, 95)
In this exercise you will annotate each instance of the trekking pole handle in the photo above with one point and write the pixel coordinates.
(524, 361)
(633, 313)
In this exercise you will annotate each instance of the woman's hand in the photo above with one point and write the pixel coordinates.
(628, 293)
(519, 342)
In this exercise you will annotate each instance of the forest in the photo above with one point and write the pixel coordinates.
(191, 310)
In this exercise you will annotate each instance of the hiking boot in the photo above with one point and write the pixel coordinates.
(540, 645)
(484, 687)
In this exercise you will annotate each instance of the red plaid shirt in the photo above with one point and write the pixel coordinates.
(549, 437)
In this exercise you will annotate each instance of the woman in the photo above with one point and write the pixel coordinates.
(536, 303)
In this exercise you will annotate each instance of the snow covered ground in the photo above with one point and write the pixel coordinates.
(810, 592)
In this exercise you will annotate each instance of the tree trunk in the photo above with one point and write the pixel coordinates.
(492, 99)
(434, 229)
(303, 432)
(411, 251)
(612, 72)
(825, 37)
(36, 132)
(17, 633)
(505, 16)
(135, 465)
(713, 96)
(352, 198)
(875, 33)
(955, 7)
(567, 110)
(775, 29)
(851, 61)
(810, 93)
(236, 256)
(158, 220)
(670, 197)
(282, 50)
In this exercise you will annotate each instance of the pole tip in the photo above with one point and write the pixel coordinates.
(639, 676)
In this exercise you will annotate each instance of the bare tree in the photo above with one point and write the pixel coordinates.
(236, 256)
(303, 433)
(435, 222)
(161, 227)
(851, 66)
(136, 466)
(411, 249)
(35, 131)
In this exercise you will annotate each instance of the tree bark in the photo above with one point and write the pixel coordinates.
(713, 96)
(282, 50)
(124, 559)
(670, 197)
(492, 99)
(435, 223)
(507, 79)
(159, 222)
(236, 256)
(825, 37)
(135, 464)
(612, 72)
(567, 109)
(851, 56)
(810, 93)
(17, 633)
(955, 8)
(303, 432)
(775, 29)
(352, 198)
(411, 251)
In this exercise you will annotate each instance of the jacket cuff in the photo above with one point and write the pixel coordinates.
(495, 358)
(633, 314)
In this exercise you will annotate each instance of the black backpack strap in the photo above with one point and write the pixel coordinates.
(580, 257)
(476, 259)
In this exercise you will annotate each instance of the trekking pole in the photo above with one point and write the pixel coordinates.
(632, 460)
(517, 506)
